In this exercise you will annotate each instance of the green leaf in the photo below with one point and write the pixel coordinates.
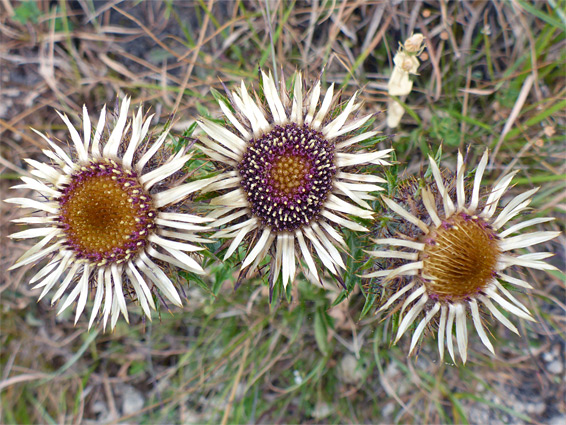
(445, 128)
(194, 278)
(369, 304)
(541, 15)
(202, 110)
(341, 297)
(220, 97)
(26, 12)
(470, 120)
(137, 367)
(407, 109)
(547, 111)
(437, 158)
(321, 331)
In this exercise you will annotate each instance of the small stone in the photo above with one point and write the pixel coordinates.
(297, 377)
(479, 415)
(388, 409)
(103, 414)
(536, 408)
(555, 367)
(321, 410)
(190, 417)
(547, 356)
(557, 420)
(132, 400)
(349, 371)
(99, 407)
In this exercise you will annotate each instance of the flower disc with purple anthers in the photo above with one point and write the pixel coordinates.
(105, 213)
(103, 220)
(287, 175)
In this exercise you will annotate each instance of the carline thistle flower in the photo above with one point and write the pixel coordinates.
(290, 176)
(104, 218)
(459, 258)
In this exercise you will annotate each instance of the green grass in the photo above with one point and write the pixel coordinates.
(229, 356)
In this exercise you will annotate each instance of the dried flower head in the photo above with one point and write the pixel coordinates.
(458, 258)
(414, 43)
(103, 219)
(400, 84)
(290, 176)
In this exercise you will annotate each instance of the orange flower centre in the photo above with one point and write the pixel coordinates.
(289, 173)
(105, 213)
(459, 258)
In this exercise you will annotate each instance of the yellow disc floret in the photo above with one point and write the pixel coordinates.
(289, 173)
(105, 213)
(459, 258)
